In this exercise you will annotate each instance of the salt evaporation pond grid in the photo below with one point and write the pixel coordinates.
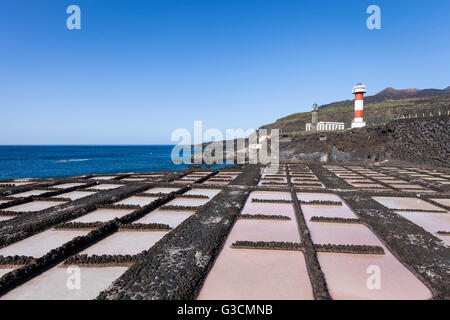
(431, 222)
(40, 244)
(52, 284)
(347, 274)
(175, 217)
(260, 274)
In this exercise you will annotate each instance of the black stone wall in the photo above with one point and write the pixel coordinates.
(421, 140)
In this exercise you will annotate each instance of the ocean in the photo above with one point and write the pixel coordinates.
(65, 161)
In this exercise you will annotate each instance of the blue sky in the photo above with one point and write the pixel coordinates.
(137, 70)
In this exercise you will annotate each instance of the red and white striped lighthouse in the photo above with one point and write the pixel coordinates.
(359, 91)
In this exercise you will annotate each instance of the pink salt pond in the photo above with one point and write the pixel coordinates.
(270, 195)
(29, 193)
(347, 277)
(52, 284)
(324, 210)
(260, 274)
(125, 242)
(431, 222)
(406, 203)
(269, 208)
(106, 186)
(137, 201)
(265, 230)
(103, 215)
(284, 209)
(40, 244)
(257, 274)
(75, 195)
(68, 185)
(104, 177)
(211, 193)
(341, 233)
(171, 217)
(34, 206)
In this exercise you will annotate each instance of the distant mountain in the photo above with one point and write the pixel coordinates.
(391, 94)
(383, 106)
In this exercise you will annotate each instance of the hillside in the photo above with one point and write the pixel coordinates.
(386, 105)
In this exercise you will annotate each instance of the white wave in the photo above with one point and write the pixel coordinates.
(72, 160)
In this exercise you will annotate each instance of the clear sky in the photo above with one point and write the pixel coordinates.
(137, 70)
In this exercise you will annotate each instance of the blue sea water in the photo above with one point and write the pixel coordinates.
(64, 161)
